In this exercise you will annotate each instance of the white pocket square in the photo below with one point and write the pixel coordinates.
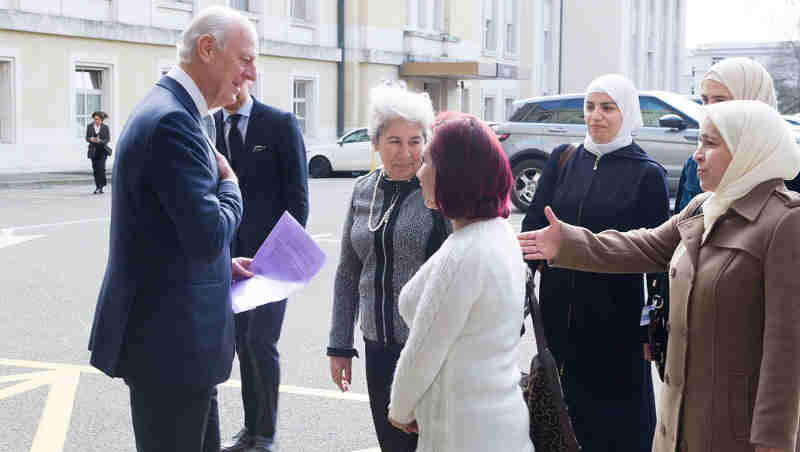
(259, 148)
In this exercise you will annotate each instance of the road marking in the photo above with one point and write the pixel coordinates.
(7, 238)
(374, 449)
(48, 225)
(63, 379)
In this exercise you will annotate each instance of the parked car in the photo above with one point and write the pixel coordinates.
(352, 152)
(669, 135)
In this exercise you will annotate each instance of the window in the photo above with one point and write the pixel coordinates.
(488, 108)
(521, 112)
(422, 14)
(489, 25)
(509, 108)
(6, 102)
(88, 96)
(511, 26)
(243, 5)
(301, 10)
(438, 15)
(465, 104)
(547, 43)
(634, 42)
(653, 109)
(359, 136)
(569, 111)
(301, 103)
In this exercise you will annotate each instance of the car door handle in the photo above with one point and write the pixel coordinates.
(557, 130)
(690, 137)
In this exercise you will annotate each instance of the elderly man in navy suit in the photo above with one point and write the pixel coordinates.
(265, 147)
(163, 320)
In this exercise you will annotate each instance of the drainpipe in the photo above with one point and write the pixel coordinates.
(560, 42)
(340, 70)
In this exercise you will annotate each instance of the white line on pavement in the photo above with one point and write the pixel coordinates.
(47, 225)
(374, 449)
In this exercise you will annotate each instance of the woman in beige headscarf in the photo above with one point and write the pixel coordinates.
(730, 79)
(732, 380)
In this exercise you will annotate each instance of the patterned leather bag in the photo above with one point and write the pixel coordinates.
(550, 426)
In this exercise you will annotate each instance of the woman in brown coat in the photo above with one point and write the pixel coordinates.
(732, 380)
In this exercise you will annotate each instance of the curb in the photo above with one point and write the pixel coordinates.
(43, 180)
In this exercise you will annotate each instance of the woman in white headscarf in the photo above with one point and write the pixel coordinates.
(592, 321)
(730, 79)
(732, 380)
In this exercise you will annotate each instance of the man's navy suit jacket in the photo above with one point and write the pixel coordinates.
(164, 313)
(272, 171)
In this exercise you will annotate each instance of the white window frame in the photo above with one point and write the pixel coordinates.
(102, 92)
(506, 112)
(312, 14)
(512, 15)
(257, 87)
(312, 113)
(179, 5)
(484, 98)
(110, 102)
(249, 5)
(15, 96)
(487, 34)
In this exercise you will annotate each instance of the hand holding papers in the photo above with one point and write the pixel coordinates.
(285, 262)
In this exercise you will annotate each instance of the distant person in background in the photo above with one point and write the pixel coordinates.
(98, 136)
(730, 79)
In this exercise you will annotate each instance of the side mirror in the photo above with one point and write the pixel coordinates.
(672, 122)
(340, 141)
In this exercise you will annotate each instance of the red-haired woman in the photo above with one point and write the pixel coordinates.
(456, 380)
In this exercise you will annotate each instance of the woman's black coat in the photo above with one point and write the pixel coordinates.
(592, 321)
(100, 151)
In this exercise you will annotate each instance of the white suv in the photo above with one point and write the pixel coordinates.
(540, 124)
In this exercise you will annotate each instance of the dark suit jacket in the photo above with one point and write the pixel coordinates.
(272, 173)
(164, 313)
(100, 147)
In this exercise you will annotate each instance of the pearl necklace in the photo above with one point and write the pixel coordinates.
(385, 218)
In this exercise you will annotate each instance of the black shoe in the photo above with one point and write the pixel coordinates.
(100, 190)
(239, 442)
(96, 191)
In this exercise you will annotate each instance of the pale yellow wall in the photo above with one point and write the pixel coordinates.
(371, 76)
(464, 20)
(383, 14)
(276, 89)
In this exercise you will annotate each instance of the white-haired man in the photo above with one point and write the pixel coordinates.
(163, 320)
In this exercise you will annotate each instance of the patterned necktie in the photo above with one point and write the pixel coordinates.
(235, 140)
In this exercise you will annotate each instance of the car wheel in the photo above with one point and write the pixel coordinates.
(319, 167)
(526, 178)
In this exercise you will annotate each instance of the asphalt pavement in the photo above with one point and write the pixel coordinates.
(53, 249)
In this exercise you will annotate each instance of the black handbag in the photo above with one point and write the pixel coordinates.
(107, 148)
(657, 333)
(550, 426)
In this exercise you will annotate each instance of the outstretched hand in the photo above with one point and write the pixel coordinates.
(542, 244)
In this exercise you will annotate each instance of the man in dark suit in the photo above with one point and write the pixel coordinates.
(265, 147)
(163, 320)
(98, 135)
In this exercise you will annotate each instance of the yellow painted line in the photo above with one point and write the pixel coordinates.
(51, 366)
(54, 423)
(24, 376)
(27, 385)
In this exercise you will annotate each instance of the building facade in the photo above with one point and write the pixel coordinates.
(702, 57)
(60, 60)
(578, 40)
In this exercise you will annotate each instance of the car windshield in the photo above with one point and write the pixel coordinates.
(686, 106)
